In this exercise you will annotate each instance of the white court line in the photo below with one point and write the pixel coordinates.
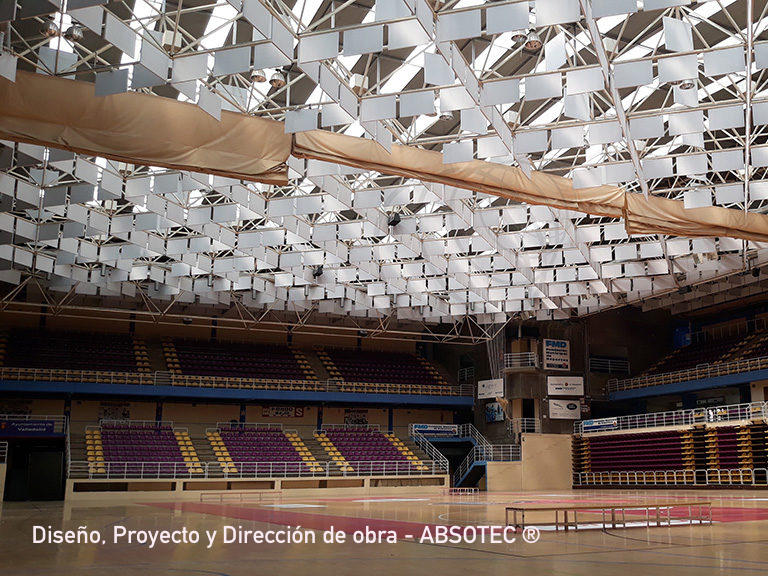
(393, 500)
(294, 506)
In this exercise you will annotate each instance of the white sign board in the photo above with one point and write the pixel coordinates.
(436, 429)
(565, 386)
(490, 388)
(564, 409)
(557, 354)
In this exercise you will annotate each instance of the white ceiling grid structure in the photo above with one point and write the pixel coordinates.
(663, 97)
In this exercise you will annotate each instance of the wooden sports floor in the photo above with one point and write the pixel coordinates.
(735, 543)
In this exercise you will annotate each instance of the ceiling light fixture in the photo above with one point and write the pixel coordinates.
(359, 84)
(277, 80)
(74, 33)
(533, 41)
(519, 37)
(49, 29)
(442, 114)
(258, 76)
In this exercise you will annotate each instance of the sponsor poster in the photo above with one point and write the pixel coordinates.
(557, 354)
(355, 416)
(114, 411)
(565, 386)
(564, 409)
(282, 411)
(600, 424)
(25, 428)
(494, 412)
(447, 430)
(490, 388)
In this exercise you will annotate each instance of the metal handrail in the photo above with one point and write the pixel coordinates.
(469, 431)
(609, 365)
(328, 426)
(202, 470)
(492, 453)
(246, 425)
(466, 374)
(3, 452)
(734, 477)
(698, 373)
(164, 378)
(521, 360)
(428, 448)
(141, 424)
(727, 413)
(517, 426)
(59, 422)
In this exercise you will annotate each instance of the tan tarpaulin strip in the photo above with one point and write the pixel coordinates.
(496, 179)
(141, 129)
(664, 216)
(654, 215)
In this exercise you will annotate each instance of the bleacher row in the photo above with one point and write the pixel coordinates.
(699, 453)
(158, 449)
(712, 351)
(201, 363)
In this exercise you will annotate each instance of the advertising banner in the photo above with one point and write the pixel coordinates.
(490, 389)
(494, 412)
(445, 430)
(282, 411)
(600, 424)
(25, 428)
(557, 354)
(565, 386)
(564, 409)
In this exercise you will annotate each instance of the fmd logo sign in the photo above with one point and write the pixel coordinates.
(556, 354)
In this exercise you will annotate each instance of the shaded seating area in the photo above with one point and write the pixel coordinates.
(141, 449)
(367, 450)
(636, 452)
(73, 351)
(261, 450)
(236, 360)
(380, 367)
(705, 352)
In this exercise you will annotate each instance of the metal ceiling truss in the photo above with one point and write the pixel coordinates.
(669, 101)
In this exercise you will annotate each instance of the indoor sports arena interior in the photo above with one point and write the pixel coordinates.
(316, 287)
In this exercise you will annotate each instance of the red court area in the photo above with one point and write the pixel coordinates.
(376, 517)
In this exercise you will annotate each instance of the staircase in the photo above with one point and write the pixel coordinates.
(154, 352)
(473, 467)
(317, 365)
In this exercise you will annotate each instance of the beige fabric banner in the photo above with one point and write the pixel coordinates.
(148, 130)
(497, 179)
(141, 129)
(654, 215)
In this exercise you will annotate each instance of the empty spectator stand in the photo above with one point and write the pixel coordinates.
(260, 450)
(666, 450)
(355, 447)
(709, 351)
(75, 351)
(380, 368)
(715, 446)
(140, 449)
(729, 447)
(236, 360)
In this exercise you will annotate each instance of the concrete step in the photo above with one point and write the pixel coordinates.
(317, 365)
(156, 356)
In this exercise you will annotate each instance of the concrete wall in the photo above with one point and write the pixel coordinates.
(759, 391)
(211, 490)
(545, 465)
